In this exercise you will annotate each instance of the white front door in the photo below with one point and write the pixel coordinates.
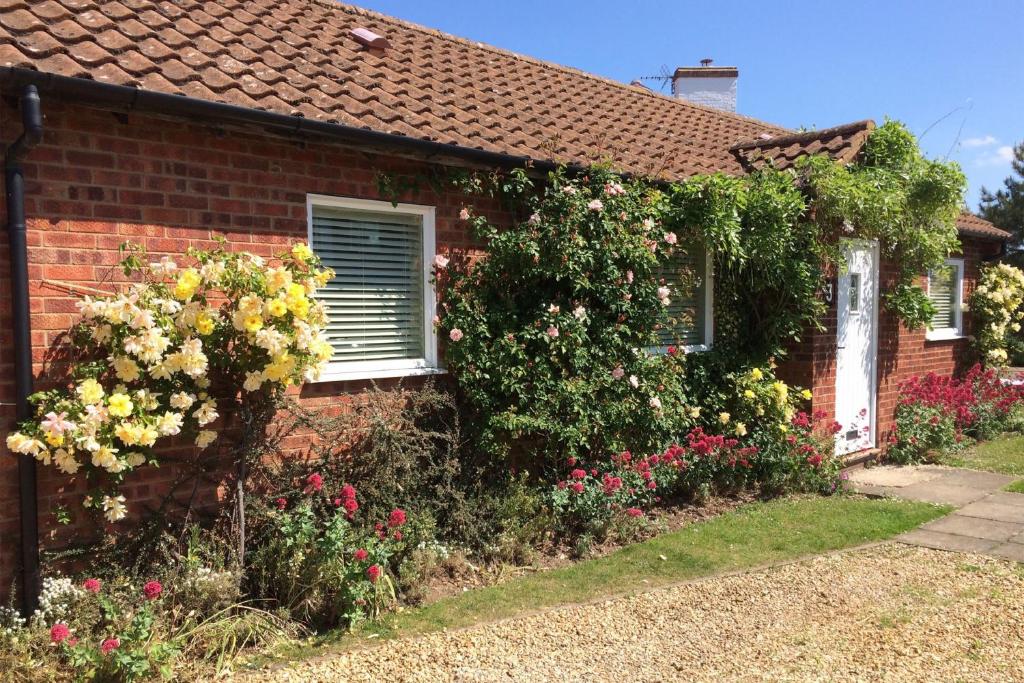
(857, 341)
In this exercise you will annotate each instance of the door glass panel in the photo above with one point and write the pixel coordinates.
(854, 292)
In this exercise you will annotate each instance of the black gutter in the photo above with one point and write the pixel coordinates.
(135, 99)
(14, 185)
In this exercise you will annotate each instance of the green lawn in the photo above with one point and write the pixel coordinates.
(1016, 487)
(1005, 455)
(754, 535)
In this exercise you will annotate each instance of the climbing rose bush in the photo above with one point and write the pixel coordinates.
(552, 335)
(996, 304)
(153, 357)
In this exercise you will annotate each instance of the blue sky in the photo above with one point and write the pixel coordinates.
(951, 70)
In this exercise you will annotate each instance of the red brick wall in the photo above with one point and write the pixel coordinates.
(100, 179)
(901, 353)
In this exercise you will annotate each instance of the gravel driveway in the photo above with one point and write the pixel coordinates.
(885, 613)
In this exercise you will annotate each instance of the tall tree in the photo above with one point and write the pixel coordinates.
(1005, 207)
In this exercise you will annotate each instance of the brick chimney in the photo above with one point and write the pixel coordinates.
(714, 86)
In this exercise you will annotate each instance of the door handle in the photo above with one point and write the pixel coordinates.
(841, 346)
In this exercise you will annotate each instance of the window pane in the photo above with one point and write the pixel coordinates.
(942, 292)
(685, 274)
(375, 301)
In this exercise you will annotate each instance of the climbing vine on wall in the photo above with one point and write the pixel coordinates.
(895, 195)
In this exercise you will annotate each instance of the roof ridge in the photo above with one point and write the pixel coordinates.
(355, 9)
(806, 136)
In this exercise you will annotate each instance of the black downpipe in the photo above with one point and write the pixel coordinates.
(14, 184)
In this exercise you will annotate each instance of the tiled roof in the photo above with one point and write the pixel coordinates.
(841, 142)
(297, 57)
(976, 226)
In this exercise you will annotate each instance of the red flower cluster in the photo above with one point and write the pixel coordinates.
(152, 590)
(110, 644)
(395, 520)
(281, 503)
(314, 483)
(92, 585)
(347, 500)
(360, 555)
(611, 484)
(59, 632)
(961, 397)
(373, 572)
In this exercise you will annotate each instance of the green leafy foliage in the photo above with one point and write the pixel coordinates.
(548, 335)
(897, 196)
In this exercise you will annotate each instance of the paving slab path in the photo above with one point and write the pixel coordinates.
(987, 521)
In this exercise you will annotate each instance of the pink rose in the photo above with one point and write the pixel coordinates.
(441, 261)
(455, 335)
(595, 205)
(629, 276)
(552, 331)
(618, 372)
(464, 214)
(670, 237)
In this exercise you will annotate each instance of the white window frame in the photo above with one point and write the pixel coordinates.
(957, 331)
(709, 317)
(380, 369)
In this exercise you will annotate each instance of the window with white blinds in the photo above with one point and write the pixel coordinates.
(380, 303)
(688, 277)
(945, 289)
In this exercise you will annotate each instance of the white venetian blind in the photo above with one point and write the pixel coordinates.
(685, 273)
(375, 301)
(942, 291)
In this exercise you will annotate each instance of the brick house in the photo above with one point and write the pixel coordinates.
(266, 122)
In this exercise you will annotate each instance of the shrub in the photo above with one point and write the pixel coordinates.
(996, 305)
(936, 413)
(167, 356)
(547, 334)
(309, 559)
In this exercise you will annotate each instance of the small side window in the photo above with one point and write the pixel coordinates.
(945, 291)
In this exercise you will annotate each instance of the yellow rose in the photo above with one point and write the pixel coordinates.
(126, 369)
(277, 279)
(749, 394)
(724, 418)
(300, 308)
(741, 429)
(54, 439)
(756, 374)
(301, 252)
(695, 412)
(120, 405)
(253, 323)
(204, 324)
(276, 307)
(806, 393)
(90, 391)
(128, 433)
(187, 283)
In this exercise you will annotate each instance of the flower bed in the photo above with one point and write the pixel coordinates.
(936, 413)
